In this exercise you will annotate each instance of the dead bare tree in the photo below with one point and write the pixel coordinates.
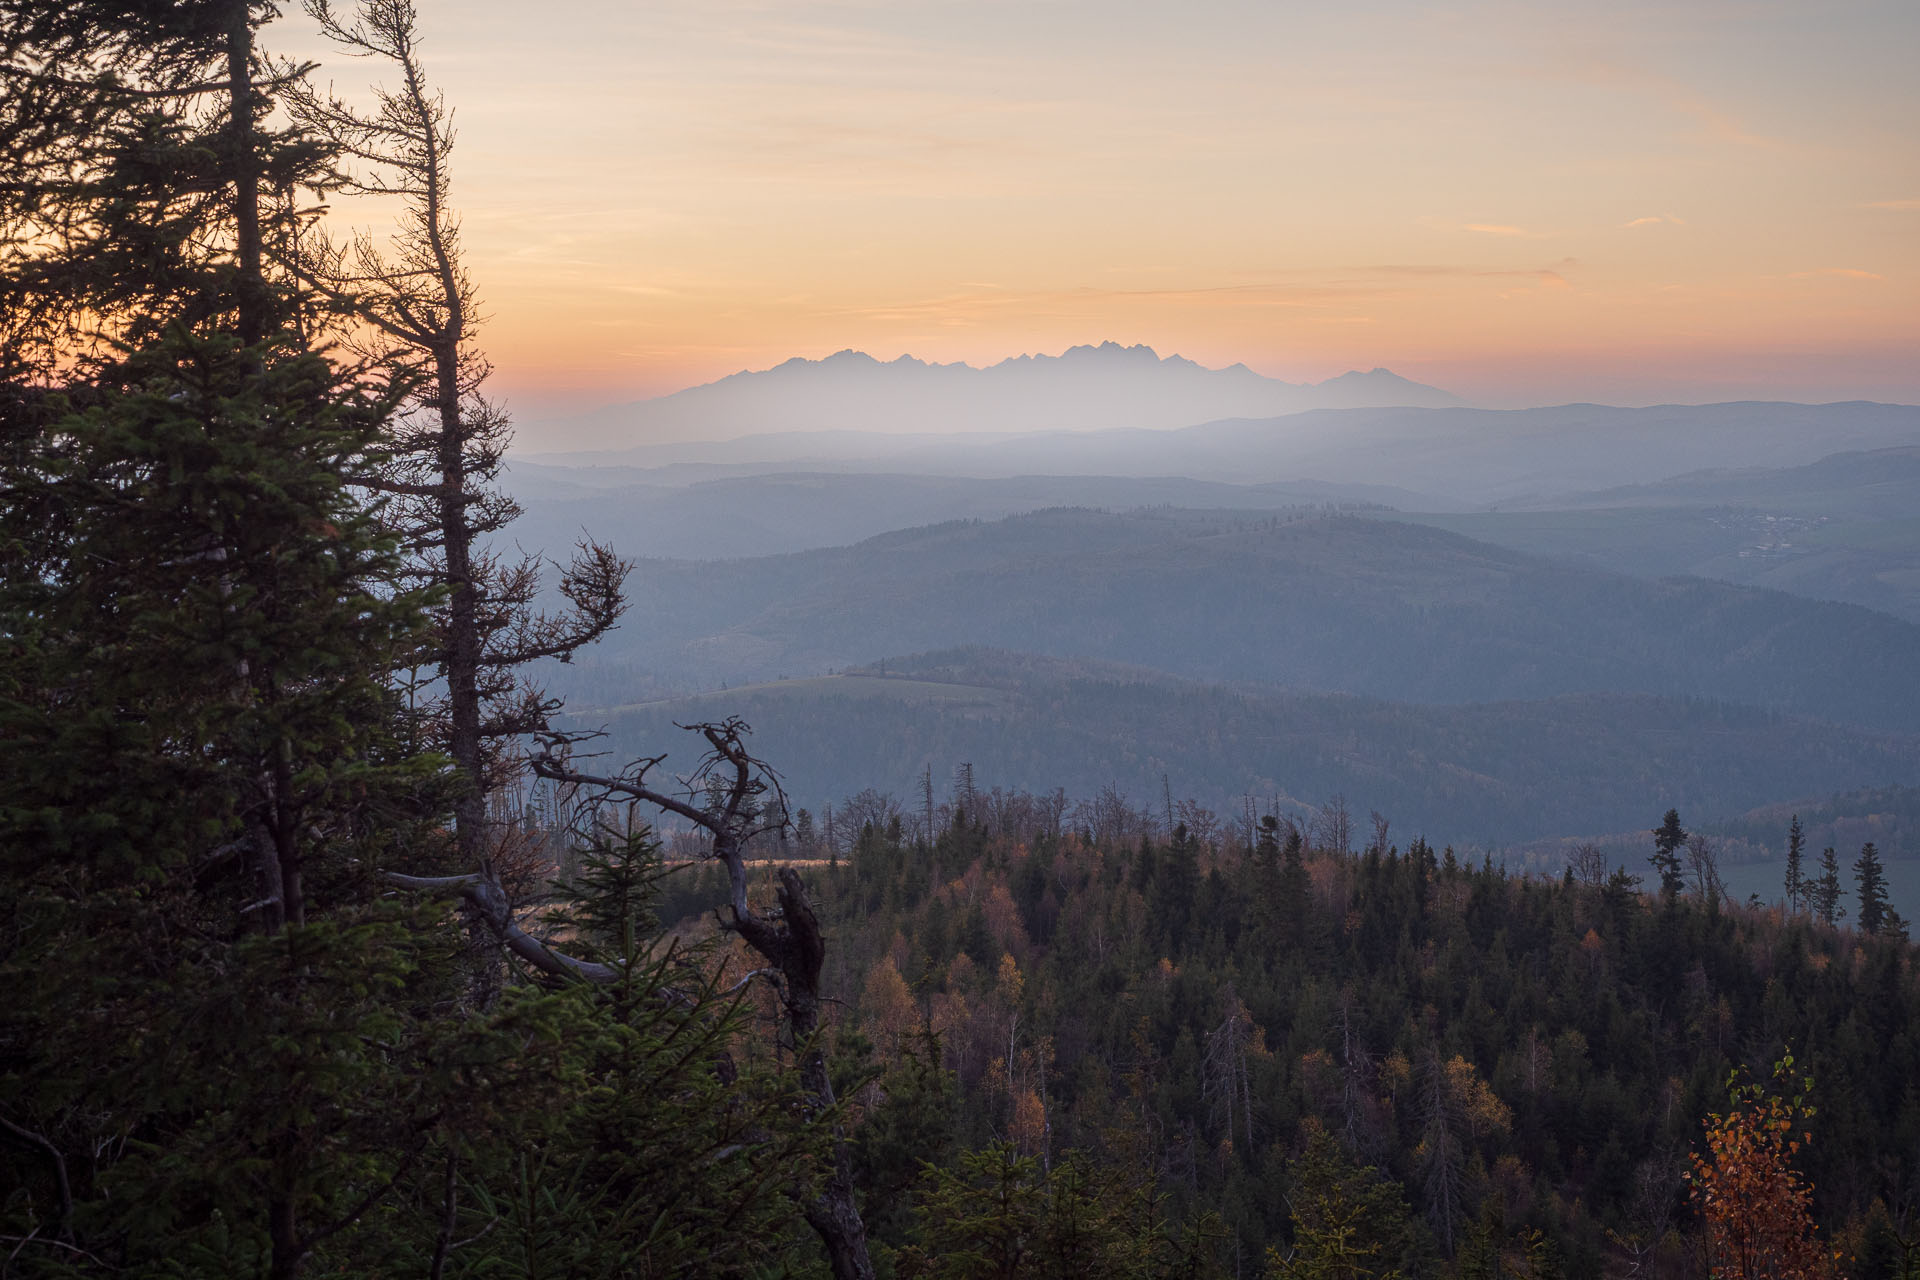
(415, 306)
(1202, 823)
(1333, 826)
(1226, 1077)
(734, 797)
(876, 809)
(1656, 1188)
(1588, 863)
(1703, 865)
(1444, 1158)
(1378, 845)
(1111, 819)
(1356, 1081)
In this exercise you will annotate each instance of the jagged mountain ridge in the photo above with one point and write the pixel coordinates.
(1084, 388)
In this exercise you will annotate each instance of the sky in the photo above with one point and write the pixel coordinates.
(1532, 203)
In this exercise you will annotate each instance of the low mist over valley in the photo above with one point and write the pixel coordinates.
(1496, 628)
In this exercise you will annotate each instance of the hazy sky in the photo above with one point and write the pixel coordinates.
(1523, 203)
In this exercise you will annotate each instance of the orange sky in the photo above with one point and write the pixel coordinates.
(1523, 203)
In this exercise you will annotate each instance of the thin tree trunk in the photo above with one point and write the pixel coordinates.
(286, 840)
(281, 1229)
(443, 1243)
(251, 293)
(462, 666)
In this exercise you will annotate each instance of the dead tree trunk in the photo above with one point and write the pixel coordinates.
(418, 307)
(731, 810)
(795, 945)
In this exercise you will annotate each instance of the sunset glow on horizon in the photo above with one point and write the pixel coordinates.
(1522, 204)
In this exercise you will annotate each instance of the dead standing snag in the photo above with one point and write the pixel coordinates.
(734, 797)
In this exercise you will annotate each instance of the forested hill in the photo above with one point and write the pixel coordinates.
(665, 513)
(1333, 603)
(1843, 528)
(1486, 774)
(1439, 1060)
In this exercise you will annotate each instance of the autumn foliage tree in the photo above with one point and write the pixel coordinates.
(1758, 1211)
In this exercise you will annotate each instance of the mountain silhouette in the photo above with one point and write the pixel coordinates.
(1083, 388)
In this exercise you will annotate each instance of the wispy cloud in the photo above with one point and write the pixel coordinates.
(1658, 219)
(1844, 273)
(1356, 272)
(1899, 206)
(1713, 121)
(1501, 229)
(1719, 125)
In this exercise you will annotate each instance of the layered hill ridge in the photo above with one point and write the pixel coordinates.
(1480, 457)
(1485, 775)
(1332, 603)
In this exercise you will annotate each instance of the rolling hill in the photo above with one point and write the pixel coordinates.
(1842, 528)
(1332, 603)
(1482, 775)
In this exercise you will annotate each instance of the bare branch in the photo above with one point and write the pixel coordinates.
(551, 763)
(59, 1163)
(482, 892)
(34, 1237)
(789, 938)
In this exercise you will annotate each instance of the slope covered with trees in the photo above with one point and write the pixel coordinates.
(1331, 603)
(1282, 1059)
(1488, 774)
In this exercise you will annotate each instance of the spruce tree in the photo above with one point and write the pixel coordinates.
(1295, 905)
(227, 1047)
(144, 186)
(1668, 839)
(211, 764)
(1870, 880)
(1826, 889)
(1796, 880)
(198, 617)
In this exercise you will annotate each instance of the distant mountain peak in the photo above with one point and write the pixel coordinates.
(1106, 354)
(1089, 386)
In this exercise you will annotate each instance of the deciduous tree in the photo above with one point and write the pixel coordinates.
(1757, 1208)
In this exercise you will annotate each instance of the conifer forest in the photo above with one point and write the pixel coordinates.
(335, 942)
